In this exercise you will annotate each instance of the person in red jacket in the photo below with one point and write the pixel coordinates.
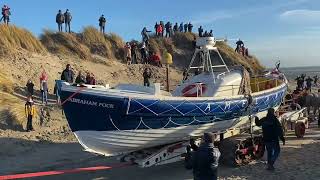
(155, 59)
(159, 30)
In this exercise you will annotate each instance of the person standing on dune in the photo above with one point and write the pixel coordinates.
(102, 23)
(44, 87)
(5, 14)
(67, 20)
(60, 20)
(181, 27)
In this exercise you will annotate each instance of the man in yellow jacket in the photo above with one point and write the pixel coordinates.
(30, 112)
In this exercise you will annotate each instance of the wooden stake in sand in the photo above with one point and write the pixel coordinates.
(168, 61)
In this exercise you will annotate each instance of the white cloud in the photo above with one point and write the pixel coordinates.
(301, 16)
(212, 16)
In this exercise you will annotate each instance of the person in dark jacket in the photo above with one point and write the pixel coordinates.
(315, 80)
(185, 27)
(190, 26)
(200, 30)
(205, 159)
(272, 132)
(156, 28)
(175, 28)
(102, 23)
(146, 77)
(309, 83)
(67, 74)
(210, 34)
(30, 88)
(60, 20)
(67, 20)
(239, 44)
(181, 27)
(80, 79)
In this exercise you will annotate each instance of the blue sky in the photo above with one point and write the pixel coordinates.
(288, 30)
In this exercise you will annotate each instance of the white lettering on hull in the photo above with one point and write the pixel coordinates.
(91, 103)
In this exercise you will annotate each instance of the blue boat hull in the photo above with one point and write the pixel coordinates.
(86, 111)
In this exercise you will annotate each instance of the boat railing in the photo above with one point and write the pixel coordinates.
(235, 88)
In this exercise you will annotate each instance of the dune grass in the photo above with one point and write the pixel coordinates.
(64, 44)
(11, 108)
(13, 38)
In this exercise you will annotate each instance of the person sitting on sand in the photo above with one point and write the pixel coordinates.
(67, 74)
(30, 88)
(127, 49)
(30, 113)
(272, 132)
(80, 78)
(146, 77)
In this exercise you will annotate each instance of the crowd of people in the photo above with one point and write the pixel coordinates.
(169, 29)
(205, 33)
(305, 83)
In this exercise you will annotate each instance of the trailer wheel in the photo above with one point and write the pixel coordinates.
(300, 129)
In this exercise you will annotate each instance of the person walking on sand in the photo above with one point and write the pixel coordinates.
(102, 23)
(60, 20)
(146, 77)
(127, 49)
(30, 113)
(44, 87)
(30, 88)
(67, 74)
(272, 131)
(205, 160)
(6, 14)
(67, 20)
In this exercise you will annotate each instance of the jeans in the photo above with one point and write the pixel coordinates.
(59, 27)
(273, 151)
(44, 96)
(67, 26)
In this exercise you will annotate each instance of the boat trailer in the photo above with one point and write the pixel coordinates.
(237, 146)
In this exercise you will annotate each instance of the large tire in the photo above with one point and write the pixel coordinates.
(300, 129)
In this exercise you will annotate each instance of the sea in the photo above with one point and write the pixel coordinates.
(292, 72)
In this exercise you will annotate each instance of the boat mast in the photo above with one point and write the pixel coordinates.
(203, 47)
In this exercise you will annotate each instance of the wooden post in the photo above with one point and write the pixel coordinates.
(168, 83)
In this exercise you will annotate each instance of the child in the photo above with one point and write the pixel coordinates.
(30, 113)
(30, 87)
